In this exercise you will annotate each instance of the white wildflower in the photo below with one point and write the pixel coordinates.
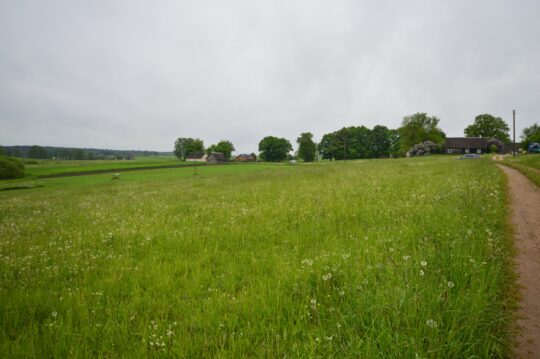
(307, 262)
(423, 263)
(450, 284)
(431, 323)
(327, 276)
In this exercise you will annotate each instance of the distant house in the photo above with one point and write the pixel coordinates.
(472, 145)
(245, 158)
(197, 157)
(216, 157)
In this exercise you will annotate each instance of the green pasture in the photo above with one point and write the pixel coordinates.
(403, 258)
(528, 164)
(54, 167)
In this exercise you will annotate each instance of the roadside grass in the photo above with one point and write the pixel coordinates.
(528, 164)
(382, 258)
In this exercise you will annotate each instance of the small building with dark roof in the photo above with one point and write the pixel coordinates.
(216, 157)
(472, 145)
(245, 158)
(197, 157)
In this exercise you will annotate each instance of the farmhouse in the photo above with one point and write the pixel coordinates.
(245, 158)
(216, 157)
(472, 145)
(197, 157)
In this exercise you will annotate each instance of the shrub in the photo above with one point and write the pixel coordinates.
(31, 162)
(11, 168)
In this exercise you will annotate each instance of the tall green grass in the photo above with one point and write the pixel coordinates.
(528, 164)
(384, 258)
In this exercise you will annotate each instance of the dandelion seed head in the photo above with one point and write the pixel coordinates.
(431, 323)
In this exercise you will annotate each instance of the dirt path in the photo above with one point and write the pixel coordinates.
(525, 212)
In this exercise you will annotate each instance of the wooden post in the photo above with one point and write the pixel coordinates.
(514, 131)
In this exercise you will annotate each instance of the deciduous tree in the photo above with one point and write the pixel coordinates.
(184, 146)
(530, 134)
(419, 128)
(225, 147)
(274, 149)
(490, 126)
(307, 149)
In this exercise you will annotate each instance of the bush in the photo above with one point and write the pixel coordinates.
(31, 162)
(11, 168)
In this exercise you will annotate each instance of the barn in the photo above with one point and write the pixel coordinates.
(216, 157)
(472, 145)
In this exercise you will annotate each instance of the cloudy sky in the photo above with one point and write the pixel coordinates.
(138, 74)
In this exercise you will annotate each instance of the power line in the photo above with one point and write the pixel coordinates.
(527, 108)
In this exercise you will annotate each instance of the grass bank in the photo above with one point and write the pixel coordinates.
(528, 164)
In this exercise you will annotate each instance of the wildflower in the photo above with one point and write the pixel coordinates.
(421, 272)
(307, 262)
(327, 276)
(431, 323)
(313, 303)
(54, 314)
(450, 284)
(406, 258)
(423, 263)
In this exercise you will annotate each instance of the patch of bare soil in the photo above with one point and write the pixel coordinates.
(525, 215)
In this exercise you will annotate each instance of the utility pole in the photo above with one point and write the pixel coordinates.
(514, 132)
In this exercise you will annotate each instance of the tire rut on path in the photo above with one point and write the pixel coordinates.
(525, 217)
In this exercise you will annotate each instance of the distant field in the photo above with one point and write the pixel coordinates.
(53, 167)
(380, 258)
(529, 164)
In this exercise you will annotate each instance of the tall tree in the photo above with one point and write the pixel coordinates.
(185, 146)
(307, 149)
(274, 149)
(419, 128)
(328, 146)
(490, 126)
(380, 141)
(37, 152)
(223, 146)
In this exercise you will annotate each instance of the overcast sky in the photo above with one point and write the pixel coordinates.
(138, 74)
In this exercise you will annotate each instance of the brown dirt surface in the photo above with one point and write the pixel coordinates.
(525, 217)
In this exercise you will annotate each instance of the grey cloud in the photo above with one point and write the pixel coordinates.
(137, 74)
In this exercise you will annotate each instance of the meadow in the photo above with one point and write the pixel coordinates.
(57, 167)
(528, 164)
(375, 258)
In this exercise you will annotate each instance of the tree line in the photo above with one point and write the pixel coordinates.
(355, 142)
(70, 153)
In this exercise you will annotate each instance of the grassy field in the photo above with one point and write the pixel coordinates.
(380, 258)
(54, 167)
(528, 164)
